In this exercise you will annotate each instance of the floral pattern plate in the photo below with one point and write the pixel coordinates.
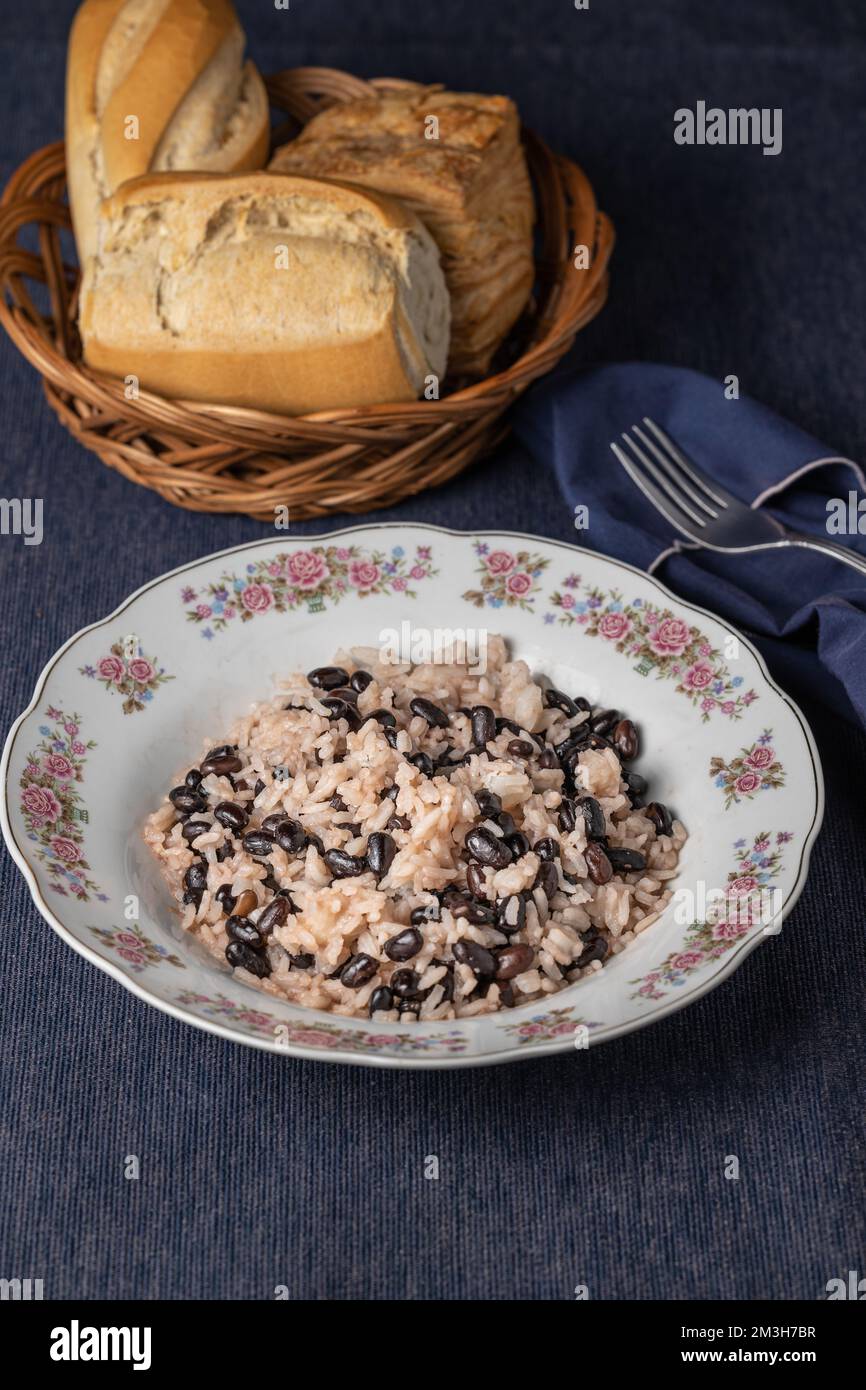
(722, 745)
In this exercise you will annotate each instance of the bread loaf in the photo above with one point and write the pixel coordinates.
(456, 159)
(156, 85)
(263, 290)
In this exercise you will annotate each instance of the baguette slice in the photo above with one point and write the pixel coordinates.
(176, 67)
(263, 290)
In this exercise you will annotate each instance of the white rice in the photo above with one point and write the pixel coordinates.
(334, 920)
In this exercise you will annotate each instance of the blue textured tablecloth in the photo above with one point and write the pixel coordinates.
(603, 1168)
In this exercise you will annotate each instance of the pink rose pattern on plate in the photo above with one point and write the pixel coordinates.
(549, 1027)
(53, 808)
(755, 769)
(658, 641)
(319, 1032)
(508, 579)
(136, 951)
(136, 678)
(324, 573)
(756, 866)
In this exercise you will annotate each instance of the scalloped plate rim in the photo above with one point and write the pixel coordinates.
(509, 1054)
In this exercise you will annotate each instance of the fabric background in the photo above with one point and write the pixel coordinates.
(603, 1168)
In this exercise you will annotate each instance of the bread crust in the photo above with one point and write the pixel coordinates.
(470, 186)
(191, 303)
(176, 50)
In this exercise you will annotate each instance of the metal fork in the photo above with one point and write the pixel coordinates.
(701, 508)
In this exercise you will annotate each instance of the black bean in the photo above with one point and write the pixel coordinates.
(232, 815)
(290, 836)
(193, 780)
(195, 879)
(511, 913)
(518, 843)
(270, 881)
(358, 970)
(343, 865)
(626, 860)
(316, 840)
(224, 851)
(359, 680)
(274, 915)
(390, 737)
(425, 914)
(380, 853)
(505, 821)
(381, 1001)
(328, 677)
(258, 842)
(598, 866)
(398, 823)
(194, 828)
(383, 717)
(404, 983)
(404, 945)
(557, 699)
(478, 958)
(596, 950)
(344, 693)
(489, 804)
(506, 995)
(594, 816)
(658, 813)
(548, 760)
(487, 848)
(625, 739)
(423, 762)
(513, 960)
(427, 710)
(567, 815)
(259, 787)
(547, 878)
(509, 724)
(221, 766)
(338, 709)
(302, 961)
(469, 909)
(352, 828)
(519, 748)
(604, 720)
(225, 897)
(447, 981)
(243, 930)
(483, 725)
(336, 803)
(475, 880)
(389, 793)
(271, 824)
(546, 848)
(186, 800)
(409, 1006)
(256, 962)
(635, 784)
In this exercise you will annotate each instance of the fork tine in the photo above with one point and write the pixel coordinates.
(676, 475)
(690, 468)
(661, 501)
(668, 485)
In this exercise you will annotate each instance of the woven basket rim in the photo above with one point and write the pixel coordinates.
(204, 454)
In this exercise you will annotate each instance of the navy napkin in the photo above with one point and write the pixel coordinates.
(805, 612)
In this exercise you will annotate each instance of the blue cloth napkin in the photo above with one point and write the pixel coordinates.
(806, 613)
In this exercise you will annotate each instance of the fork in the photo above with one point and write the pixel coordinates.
(700, 508)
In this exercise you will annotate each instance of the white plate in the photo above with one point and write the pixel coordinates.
(104, 734)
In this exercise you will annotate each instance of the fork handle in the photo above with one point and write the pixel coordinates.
(839, 552)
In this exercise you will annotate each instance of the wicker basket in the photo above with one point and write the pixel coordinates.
(225, 459)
